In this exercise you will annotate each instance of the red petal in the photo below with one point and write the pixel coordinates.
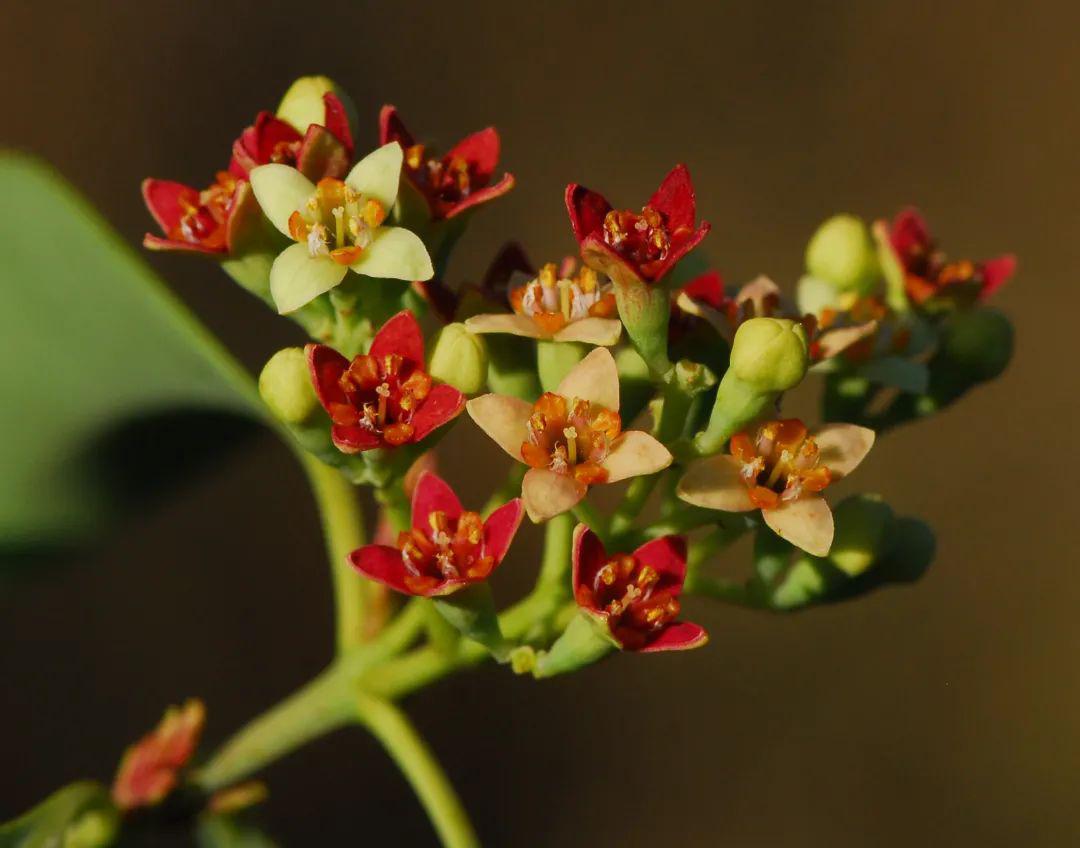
(392, 128)
(326, 366)
(679, 250)
(500, 528)
(596, 254)
(589, 557)
(908, 231)
(587, 209)
(354, 439)
(708, 288)
(256, 143)
(675, 199)
(668, 556)
(400, 335)
(482, 196)
(442, 405)
(244, 219)
(337, 120)
(481, 151)
(381, 563)
(162, 198)
(433, 494)
(152, 242)
(680, 636)
(322, 154)
(996, 272)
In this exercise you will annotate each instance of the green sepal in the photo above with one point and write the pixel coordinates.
(585, 641)
(471, 611)
(554, 360)
(79, 815)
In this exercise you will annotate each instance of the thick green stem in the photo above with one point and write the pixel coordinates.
(405, 746)
(737, 405)
(343, 528)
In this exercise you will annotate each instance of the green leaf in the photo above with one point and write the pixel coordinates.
(78, 816)
(95, 351)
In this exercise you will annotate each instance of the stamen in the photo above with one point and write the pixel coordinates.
(570, 433)
(339, 225)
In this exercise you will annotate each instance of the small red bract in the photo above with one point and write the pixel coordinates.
(150, 768)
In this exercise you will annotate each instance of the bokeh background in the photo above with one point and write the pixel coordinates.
(939, 714)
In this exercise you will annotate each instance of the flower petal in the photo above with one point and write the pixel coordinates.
(833, 342)
(337, 120)
(807, 523)
(280, 190)
(401, 335)
(381, 563)
(700, 309)
(505, 419)
(679, 636)
(162, 198)
(598, 256)
(715, 483)
(397, 254)
(996, 272)
(679, 249)
(326, 366)
(908, 231)
(668, 556)
(708, 288)
(152, 242)
(481, 151)
(595, 379)
(442, 405)
(588, 557)
(354, 439)
(547, 494)
(500, 528)
(378, 174)
(482, 195)
(594, 331)
(322, 154)
(843, 447)
(433, 494)
(516, 325)
(297, 277)
(587, 209)
(392, 128)
(635, 454)
(675, 199)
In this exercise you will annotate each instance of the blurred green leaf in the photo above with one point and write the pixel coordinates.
(93, 347)
(77, 816)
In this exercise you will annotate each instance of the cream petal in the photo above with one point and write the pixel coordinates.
(756, 291)
(595, 331)
(378, 174)
(714, 483)
(843, 446)
(807, 523)
(397, 254)
(280, 190)
(634, 454)
(516, 325)
(505, 419)
(832, 342)
(547, 494)
(595, 379)
(296, 277)
(715, 317)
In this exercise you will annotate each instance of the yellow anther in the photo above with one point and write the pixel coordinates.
(548, 275)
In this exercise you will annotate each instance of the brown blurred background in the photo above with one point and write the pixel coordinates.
(941, 714)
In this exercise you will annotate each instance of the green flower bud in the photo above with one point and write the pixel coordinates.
(303, 104)
(978, 341)
(862, 523)
(512, 366)
(460, 359)
(285, 386)
(842, 253)
(770, 354)
(554, 361)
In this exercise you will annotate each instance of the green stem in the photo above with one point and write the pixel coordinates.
(389, 725)
(636, 496)
(586, 513)
(343, 528)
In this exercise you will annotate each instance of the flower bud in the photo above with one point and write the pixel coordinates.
(303, 104)
(770, 354)
(460, 359)
(285, 386)
(978, 341)
(842, 253)
(862, 523)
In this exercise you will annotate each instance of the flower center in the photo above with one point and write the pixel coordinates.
(642, 239)
(382, 396)
(336, 221)
(203, 214)
(780, 464)
(928, 272)
(450, 549)
(448, 181)
(553, 303)
(570, 437)
(628, 591)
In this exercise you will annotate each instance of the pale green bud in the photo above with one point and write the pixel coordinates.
(842, 253)
(460, 359)
(862, 522)
(303, 105)
(770, 354)
(285, 386)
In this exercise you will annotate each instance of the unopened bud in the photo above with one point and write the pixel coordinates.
(285, 386)
(862, 522)
(842, 253)
(460, 359)
(770, 354)
(303, 104)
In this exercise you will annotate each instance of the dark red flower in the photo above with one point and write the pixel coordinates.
(447, 547)
(150, 768)
(383, 398)
(635, 595)
(455, 183)
(630, 246)
(929, 275)
(206, 221)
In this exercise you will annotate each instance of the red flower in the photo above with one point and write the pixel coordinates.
(206, 221)
(635, 595)
(927, 272)
(383, 398)
(458, 181)
(447, 547)
(150, 768)
(630, 246)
